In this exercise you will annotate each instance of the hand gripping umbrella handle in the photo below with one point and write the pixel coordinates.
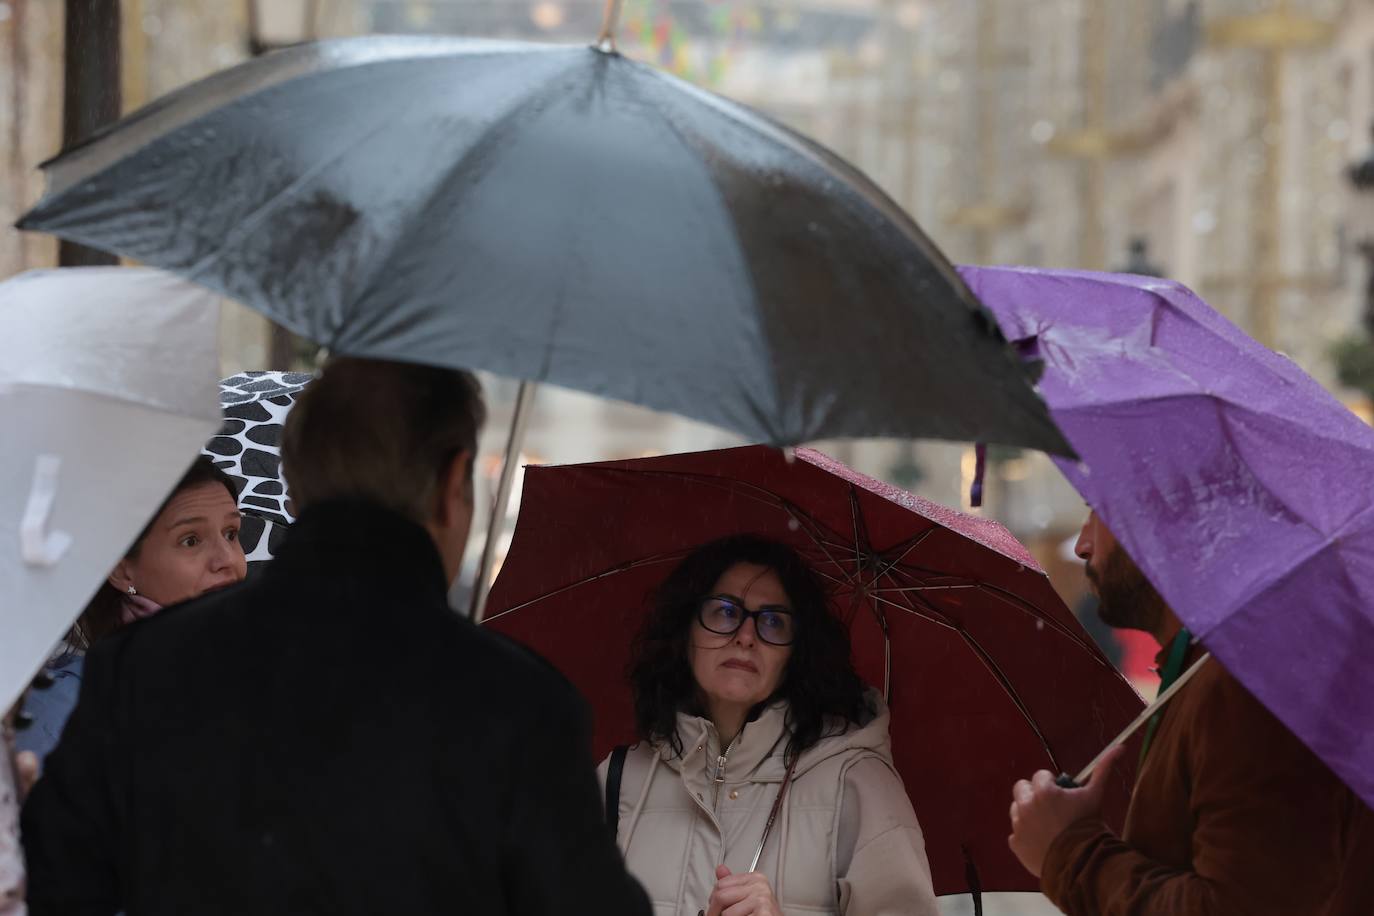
(1065, 781)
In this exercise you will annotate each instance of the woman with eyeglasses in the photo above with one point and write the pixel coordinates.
(763, 783)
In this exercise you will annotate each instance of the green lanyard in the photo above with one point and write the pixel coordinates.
(1173, 667)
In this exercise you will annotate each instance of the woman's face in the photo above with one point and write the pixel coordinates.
(740, 669)
(192, 548)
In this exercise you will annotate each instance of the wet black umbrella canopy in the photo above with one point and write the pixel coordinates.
(553, 213)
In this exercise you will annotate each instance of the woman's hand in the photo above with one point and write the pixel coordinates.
(25, 772)
(742, 895)
(26, 762)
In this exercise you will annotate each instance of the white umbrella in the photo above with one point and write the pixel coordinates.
(107, 392)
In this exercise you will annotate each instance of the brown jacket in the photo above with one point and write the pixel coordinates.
(1231, 815)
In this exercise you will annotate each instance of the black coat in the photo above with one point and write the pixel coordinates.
(328, 738)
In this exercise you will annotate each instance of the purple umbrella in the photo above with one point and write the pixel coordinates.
(1240, 486)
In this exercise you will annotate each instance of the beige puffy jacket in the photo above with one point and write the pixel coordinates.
(846, 840)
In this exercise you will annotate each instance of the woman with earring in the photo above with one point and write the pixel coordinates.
(763, 783)
(189, 548)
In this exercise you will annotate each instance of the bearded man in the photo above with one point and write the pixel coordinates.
(1231, 813)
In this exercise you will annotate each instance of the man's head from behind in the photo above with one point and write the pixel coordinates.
(1126, 599)
(397, 435)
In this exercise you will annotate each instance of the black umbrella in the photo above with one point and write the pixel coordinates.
(558, 214)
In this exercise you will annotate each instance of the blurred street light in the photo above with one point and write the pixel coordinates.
(910, 14)
(548, 15)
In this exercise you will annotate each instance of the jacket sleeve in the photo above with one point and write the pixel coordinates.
(560, 856)
(1265, 837)
(70, 820)
(880, 853)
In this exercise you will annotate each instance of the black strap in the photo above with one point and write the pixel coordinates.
(975, 884)
(613, 774)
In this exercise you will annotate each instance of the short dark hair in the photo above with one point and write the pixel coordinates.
(101, 616)
(379, 431)
(819, 684)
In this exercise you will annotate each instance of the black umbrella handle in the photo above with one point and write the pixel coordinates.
(1065, 781)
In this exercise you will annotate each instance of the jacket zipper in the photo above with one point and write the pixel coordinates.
(720, 772)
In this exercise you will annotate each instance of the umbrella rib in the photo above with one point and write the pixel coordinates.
(1003, 681)
(818, 156)
(1018, 602)
(1012, 694)
(623, 567)
(818, 541)
(901, 590)
(911, 545)
(855, 580)
(856, 522)
(931, 614)
(292, 191)
(1004, 595)
(813, 530)
(476, 152)
(757, 493)
(1007, 597)
(808, 524)
(761, 419)
(834, 579)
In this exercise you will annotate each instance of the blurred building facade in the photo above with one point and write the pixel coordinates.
(1212, 136)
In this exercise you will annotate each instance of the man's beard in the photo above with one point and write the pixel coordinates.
(1126, 599)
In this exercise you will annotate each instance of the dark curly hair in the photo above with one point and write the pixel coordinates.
(819, 683)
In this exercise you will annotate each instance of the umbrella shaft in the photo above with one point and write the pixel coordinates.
(518, 421)
(1141, 719)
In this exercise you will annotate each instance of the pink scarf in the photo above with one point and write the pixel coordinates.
(136, 607)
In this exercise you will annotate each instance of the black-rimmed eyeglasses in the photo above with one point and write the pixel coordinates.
(725, 614)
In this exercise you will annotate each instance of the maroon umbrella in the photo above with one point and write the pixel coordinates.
(988, 673)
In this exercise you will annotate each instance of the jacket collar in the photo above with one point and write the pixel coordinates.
(756, 754)
(364, 542)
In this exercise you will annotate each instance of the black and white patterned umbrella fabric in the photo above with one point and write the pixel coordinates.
(248, 449)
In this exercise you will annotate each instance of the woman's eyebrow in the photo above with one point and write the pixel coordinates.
(761, 607)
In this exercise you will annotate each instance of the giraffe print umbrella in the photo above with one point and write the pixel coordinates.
(248, 449)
